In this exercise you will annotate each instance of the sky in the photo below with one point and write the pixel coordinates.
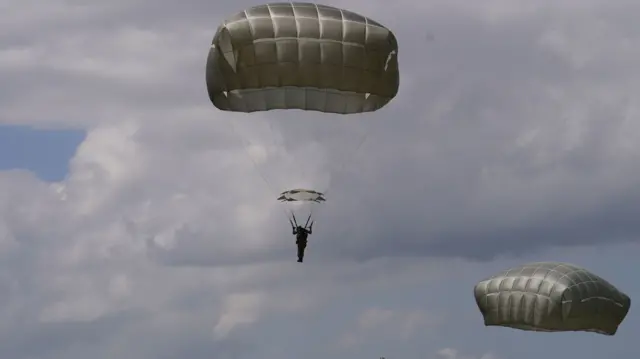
(44, 152)
(138, 221)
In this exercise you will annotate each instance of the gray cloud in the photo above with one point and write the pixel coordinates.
(513, 135)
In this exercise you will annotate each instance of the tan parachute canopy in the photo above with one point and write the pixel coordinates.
(302, 56)
(551, 297)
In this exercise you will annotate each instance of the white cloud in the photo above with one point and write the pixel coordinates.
(239, 309)
(449, 353)
(390, 324)
(518, 120)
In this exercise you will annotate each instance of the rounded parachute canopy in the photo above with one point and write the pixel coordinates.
(301, 195)
(551, 297)
(301, 203)
(302, 56)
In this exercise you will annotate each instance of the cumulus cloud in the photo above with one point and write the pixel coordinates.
(514, 132)
(238, 309)
(388, 323)
(449, 353)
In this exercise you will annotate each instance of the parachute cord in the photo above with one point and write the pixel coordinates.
(367, 131)
(311, 213)
(347, 159)
(347, 231)
(273, 136)
(255, 164)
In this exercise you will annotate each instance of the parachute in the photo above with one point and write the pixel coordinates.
(299, 195)
(301, 199)
(551, 297)
(301, 56)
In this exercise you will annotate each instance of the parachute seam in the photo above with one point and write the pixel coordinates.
(255, 164)
(367, 33)
(275, 45)
(322, 53)
(253, 35)
(342, 52)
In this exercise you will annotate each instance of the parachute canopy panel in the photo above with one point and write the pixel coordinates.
(301, 195)
(302, 56)
(551, 297)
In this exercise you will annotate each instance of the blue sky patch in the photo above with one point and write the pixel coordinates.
(44, 152)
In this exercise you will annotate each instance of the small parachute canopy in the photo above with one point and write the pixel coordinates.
(302, 56)
(301, 202)
(301, 195)
(551, 297)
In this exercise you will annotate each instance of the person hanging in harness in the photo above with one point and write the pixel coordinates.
(301, 234)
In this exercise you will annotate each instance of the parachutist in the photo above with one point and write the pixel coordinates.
(237, 66)
(301, 234)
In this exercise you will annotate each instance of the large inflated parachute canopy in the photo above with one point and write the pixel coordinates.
(551, 297)
(302, 56)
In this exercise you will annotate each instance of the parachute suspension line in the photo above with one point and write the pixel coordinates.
(346, 159)
(282, 143)
(367, 131)
(311, 215)
(347, 231)
(274, 142)
(306, 225)
(294, 222)
(255, 164)
(305, 169)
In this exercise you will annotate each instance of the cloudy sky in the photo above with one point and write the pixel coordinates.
(139, 222)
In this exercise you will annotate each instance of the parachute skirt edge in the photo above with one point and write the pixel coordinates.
(329, 101)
